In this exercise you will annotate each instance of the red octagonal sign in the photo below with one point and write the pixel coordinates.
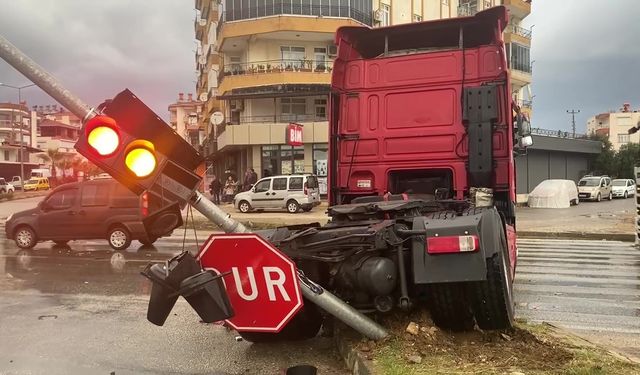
(262, 283)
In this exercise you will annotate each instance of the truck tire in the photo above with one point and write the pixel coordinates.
(449, 307)
(303, 326)
(492, 300)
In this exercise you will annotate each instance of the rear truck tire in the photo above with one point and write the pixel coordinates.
(598, 198)
(25, 237)
(61, 242)
(449, 307)
(492, 300)
(244, 207)
(293, 207)
(303, 326)
(119, 238)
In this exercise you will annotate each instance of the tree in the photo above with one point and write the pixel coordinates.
(625, 159)
(605, 161)
(52, 156)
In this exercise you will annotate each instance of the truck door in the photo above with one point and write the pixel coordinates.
(261, 194)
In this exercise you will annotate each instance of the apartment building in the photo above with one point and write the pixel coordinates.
(615, 125)
(17, 139)
(57, 129)
(185, 117)
(274, 69)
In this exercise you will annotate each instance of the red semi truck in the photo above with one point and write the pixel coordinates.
(423, 134)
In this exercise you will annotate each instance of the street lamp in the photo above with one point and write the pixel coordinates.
(19, 88)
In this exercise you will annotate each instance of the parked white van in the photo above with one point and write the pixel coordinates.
(291, 192)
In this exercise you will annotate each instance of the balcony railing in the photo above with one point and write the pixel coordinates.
(557, 133)
(276, 66)
(271, 119)
(467, 11)
(525, 103)
(286, 8)
(523, 66)
(526, 33)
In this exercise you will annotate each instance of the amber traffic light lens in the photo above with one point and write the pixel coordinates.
(140, 161)
(104, 140)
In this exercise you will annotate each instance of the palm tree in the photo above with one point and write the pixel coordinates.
(52, 156)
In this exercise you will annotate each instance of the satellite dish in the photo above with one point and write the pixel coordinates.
(216, 118)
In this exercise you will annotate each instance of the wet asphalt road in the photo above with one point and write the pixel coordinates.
(589, 287)
(82, 310)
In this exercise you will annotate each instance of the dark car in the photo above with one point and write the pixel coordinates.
(84, 210)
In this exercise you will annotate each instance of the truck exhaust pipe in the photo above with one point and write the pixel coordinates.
(324, 299)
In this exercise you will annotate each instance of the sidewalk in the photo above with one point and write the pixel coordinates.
(23, 195)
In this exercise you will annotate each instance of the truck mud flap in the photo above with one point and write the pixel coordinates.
(462, 266)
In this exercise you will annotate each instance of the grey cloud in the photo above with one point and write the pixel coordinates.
(98, 48)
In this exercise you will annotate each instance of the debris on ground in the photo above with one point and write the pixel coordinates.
(419, 347)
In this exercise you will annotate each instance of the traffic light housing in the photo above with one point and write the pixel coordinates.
(141, 151)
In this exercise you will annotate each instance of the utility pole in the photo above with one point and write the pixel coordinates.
(573, 120)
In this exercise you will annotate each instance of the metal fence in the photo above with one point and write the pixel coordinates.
(275, 66)
(558, 133)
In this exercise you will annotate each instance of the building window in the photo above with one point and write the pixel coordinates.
(417, 18)
(292, 57)
(320, 157)
(6, 155)
(385, 12)
(293, 109)
(321, 109)
(623, 138)
(320, 57)
(235, 64)
(282, 160)
(518, 57)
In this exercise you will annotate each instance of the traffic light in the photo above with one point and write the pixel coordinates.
(141, 151)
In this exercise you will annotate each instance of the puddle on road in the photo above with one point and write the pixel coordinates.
(78, 269)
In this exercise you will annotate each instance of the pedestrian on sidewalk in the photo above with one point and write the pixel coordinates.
(214, 188)
(230, 189)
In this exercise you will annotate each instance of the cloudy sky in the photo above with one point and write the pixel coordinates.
(586, 52)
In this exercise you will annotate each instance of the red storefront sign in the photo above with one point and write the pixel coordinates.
(294, 134)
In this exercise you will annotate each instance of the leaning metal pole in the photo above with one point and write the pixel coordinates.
(44, 80)
(325, 300)
(312, 291)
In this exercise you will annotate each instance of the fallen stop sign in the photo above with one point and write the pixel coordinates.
(262, 285)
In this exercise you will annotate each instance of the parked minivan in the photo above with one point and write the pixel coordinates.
(290, 192)
(595, 188)
(84, 210)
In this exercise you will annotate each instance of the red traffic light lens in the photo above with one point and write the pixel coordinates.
(102, 135)
(140, 158)
(104, 140)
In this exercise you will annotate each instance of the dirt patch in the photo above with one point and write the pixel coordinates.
(422, 348)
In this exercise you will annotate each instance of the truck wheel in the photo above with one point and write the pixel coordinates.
(492, 300)
(449, 307)
(305, 325)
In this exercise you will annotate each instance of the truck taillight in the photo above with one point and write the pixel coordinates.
(452, 244)
(145, 204)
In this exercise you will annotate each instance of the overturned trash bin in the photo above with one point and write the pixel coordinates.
(183, 276)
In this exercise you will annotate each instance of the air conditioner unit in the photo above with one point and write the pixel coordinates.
(237, 105)
(202, 60)
(332, 50)
(202, 22)
(203, 97)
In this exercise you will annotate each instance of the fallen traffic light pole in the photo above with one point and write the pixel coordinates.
(311, 290)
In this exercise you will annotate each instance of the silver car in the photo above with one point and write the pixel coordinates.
(290, 192)
(595, 188)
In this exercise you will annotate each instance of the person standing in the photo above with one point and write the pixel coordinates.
(230, 189)
(254, 177)
(214, 188)
(246, 181)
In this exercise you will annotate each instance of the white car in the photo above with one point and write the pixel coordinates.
(554, 194)
(5, 187)
(623, 188)
(290, 192)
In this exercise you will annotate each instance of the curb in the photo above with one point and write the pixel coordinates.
(345, 340)
(626, 237)
(21, 195)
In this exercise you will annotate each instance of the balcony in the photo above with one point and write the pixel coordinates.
(360, 14)
(525, 33)
(261, 130)
(517, 34)
(272, 72)
(518, 8)
(466, 10)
